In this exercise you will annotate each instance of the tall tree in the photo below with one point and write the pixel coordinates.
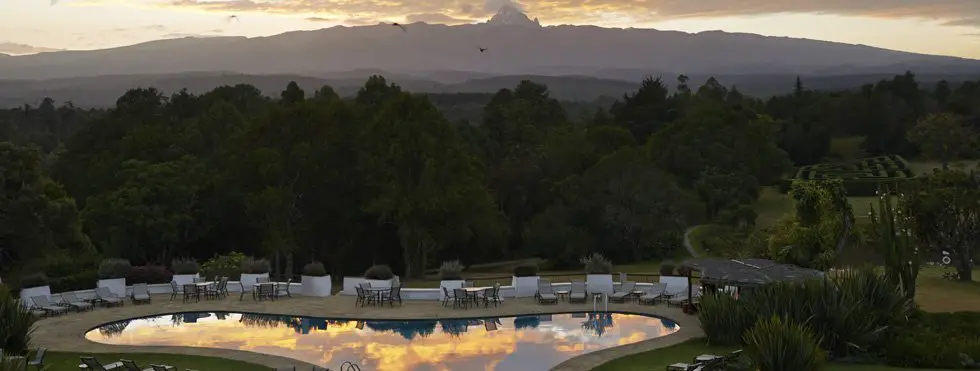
(945, 209)
(942, 137)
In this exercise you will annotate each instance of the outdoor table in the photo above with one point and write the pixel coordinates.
(379, 291)
(473, 292)
(562, 294)
(273, 284)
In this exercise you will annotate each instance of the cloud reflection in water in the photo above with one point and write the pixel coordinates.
(524, 343)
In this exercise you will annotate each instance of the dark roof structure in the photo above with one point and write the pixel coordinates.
(747, 272)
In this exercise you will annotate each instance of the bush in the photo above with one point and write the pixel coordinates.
(597, 264)
(314, 269)
(114, 268)
(255, 266)
(34, 280)
(667, 268)
(83, 280)
(224, 265)
(16, 325)
(379, 272)
(779, 344)
(185, 266)
(935, 340)
(451, 270)
(150, 274)
(526, 270)
(849, 312)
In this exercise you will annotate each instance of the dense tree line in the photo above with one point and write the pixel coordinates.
(385, 177)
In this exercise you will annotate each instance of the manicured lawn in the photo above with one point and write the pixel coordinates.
(685, 352)
(704, 232)
(60, 361)
(933, 293)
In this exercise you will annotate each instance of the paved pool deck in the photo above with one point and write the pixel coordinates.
(67, 332)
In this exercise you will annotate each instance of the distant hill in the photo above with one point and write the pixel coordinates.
(102, 91)
(516, 45)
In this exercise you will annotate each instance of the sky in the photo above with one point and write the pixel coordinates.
(945, 27)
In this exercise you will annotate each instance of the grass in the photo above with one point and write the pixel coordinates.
(773, 205)
(705, 232)
(57, 361)
(659, 359)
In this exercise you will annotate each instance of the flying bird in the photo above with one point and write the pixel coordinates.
(400, 26)
(235, 17)
(483, 50)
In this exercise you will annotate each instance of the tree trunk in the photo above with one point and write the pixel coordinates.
(964, 269)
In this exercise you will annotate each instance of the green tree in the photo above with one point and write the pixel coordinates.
(942, 137)
(37, 217)
(945, 210)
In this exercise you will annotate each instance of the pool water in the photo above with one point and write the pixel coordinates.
(523, 343)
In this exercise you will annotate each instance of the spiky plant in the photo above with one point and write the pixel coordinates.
(892, 229)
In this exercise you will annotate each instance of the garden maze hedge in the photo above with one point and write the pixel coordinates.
(861, 177)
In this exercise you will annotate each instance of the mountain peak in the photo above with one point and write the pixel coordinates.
(508, 15)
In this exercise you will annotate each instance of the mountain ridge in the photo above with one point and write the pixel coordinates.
(512, 46)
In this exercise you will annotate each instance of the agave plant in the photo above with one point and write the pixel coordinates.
(16, 325)
(779, 344)
(892, 229)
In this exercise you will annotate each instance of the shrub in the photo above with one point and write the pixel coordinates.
(778, 344)
(935, 340)
(224, 265)
(81, 280)
(667, 268)
(34, 280)
(185, 266)
(379, 272)
(526, 270)
(597, 264)
(849, 312)
(255, 266)
(314, 269)
(451, 270)
(114, 268)
(16, 325)
(151, 274)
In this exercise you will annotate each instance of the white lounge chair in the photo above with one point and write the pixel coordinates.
(71, 300)
(546, 293)
(107, 297)
(41, 302)
(654, 293)
(141, 293)
(624, 292)
(578, 293)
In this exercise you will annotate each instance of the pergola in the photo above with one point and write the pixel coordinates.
(745, 272)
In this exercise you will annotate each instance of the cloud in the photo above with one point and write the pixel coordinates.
(21, 49)
(319, 19)
(435, 18)
(949, 12)
(180, 35)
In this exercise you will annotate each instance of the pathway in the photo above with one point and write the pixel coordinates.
(687, 241)
(67, 332)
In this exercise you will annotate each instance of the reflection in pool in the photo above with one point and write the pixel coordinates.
(524, 343)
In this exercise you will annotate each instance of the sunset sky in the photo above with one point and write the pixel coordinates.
(947, 27)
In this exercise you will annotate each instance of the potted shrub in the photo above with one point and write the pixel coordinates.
(34, 284)
(450, 276)
(668, 275)
(598, 271)
(185, 271)
(112, 274)
(379, 275)
(525, 280)
(253, 269)
(316, 281)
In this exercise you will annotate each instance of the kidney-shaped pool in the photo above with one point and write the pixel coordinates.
(523, 343)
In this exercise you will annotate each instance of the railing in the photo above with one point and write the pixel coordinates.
(505, 280)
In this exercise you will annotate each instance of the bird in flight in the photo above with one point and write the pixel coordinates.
(483, 50)
(400, 26)
(231, 17)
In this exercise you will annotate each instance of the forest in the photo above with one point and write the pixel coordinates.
(408, 180)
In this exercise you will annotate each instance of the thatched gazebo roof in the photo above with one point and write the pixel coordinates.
(747, 272)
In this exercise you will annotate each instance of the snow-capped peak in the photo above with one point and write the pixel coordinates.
(508, 15)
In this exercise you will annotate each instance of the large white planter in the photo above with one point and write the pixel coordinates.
(449, 285)
(525, 286)
(116, 286)
(249, 279)
(675, 284)
(185, 279)
(317, 286)
(350, 285)
(599, 283)
(28, 292)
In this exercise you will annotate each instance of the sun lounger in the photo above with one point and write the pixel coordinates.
(71, 300)
(653, 294)
(92, 364)
(578, 293)
(141, 293)
(681, 299)
(624, 292)
(41, 302)
(546, 294)
(107, 297)
(162, 368)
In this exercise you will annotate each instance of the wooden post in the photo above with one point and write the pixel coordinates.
(690, 296)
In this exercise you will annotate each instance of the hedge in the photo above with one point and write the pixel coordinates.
(862, 177)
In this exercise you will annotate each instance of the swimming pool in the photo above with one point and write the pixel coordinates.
(523, 343)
